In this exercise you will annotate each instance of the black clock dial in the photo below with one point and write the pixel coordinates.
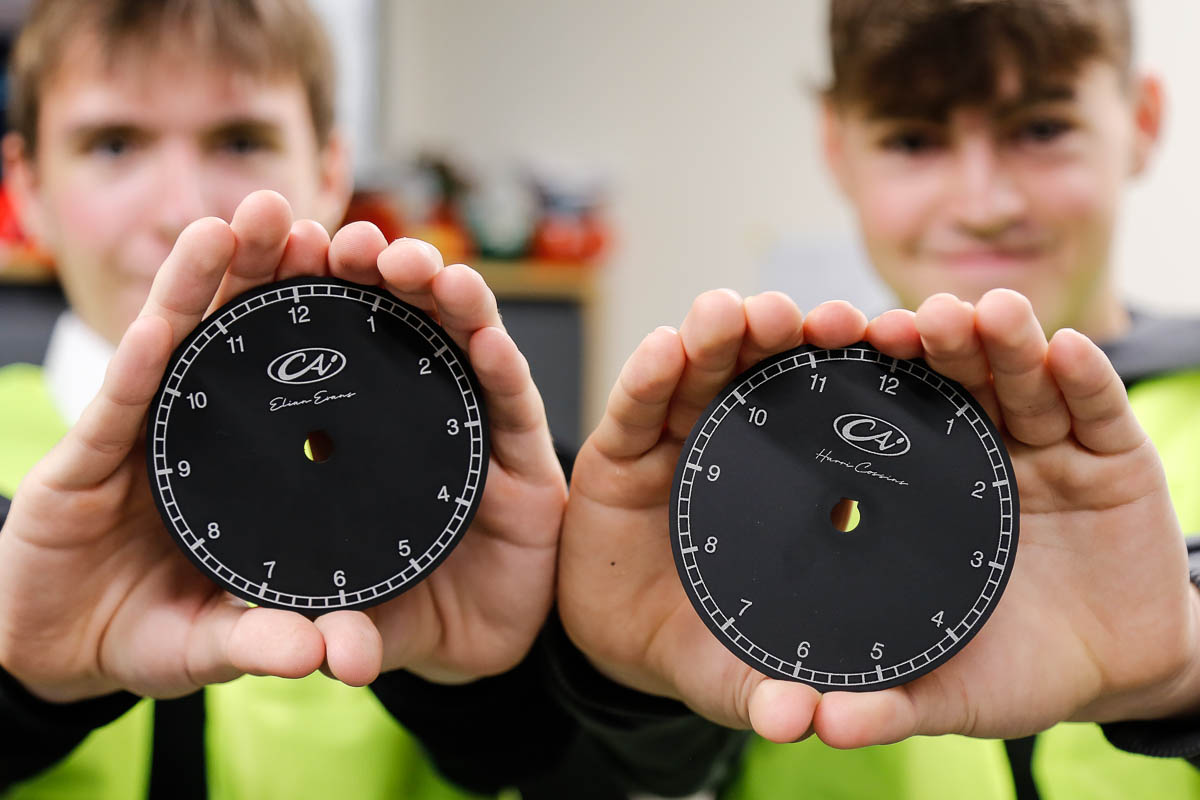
(317, 444)
(774, 575)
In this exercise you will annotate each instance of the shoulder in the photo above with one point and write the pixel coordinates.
(1155, 346)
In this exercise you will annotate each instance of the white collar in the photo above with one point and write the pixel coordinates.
(75, 363)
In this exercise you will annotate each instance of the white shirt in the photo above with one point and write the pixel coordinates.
(76, 360)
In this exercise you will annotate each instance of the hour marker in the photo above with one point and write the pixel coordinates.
(994, 565)
(375, 305)
(462, 502)
(415, 564)
(728, 623)
(1000, 483)
(796, 671)
(738, 397)
(879, 671)
(171, 392)
(691, 549)
(438, 353)
(951, 634)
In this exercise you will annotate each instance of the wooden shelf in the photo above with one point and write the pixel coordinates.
(539, 280)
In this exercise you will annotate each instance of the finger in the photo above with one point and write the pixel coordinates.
(306, 252)
(260, 224)
(640, 399)
(1101, 417)
(782, 711)
(187, 281)
(230, 640)
(408, 267)
(353, 647)
(848, 720)
(114, 421)
(894, 333)
(354, 253)
(835, 324)
(952, 347)
(464, 302)
(520, 435)
(1034, 410)
(712, 338)
(773, 324)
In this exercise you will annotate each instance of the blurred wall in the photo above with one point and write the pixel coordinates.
(704, 117)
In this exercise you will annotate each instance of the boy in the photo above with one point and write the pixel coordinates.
(983, 144)
(132, 122)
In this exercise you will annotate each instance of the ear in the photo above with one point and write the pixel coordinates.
(21, 186)
(833, 141)
(335, 183)
(1148, 103)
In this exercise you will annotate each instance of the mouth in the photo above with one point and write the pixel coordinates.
(988, 259)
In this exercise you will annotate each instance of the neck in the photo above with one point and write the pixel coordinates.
(1102, 318)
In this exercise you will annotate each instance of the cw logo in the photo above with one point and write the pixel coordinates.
(308, 365)
(871, 434)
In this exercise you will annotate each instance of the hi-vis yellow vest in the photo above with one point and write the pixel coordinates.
(1072, 761)
(269, 738)
(265, 738)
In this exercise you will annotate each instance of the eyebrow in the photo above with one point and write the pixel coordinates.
(1032, 96)
(85, 133)
(938, 113)
(255, 127)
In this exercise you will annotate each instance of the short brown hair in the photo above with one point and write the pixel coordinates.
(263, 37)
(924, 57)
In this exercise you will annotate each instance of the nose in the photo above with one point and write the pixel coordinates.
(179, 196)
(987, 198)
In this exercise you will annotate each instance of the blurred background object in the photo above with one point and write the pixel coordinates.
(605, 161)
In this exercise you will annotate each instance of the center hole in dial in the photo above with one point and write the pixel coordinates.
(845, 515)
(318, 446)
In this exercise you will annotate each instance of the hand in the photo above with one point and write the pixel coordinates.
(619, 595)
(481, 609)
(1098, 621)
(94, 597)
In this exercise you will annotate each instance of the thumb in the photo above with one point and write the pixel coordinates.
(781, 711)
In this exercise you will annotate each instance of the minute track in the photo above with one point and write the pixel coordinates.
(317, 444)
(764, 565)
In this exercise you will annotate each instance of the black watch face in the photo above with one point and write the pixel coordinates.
(316, 445)
(791, 583)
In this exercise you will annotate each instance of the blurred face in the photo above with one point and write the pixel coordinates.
(1023, 193)
(127, 156)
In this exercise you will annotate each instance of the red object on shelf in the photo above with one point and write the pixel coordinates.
(567, 237)
(377, 208)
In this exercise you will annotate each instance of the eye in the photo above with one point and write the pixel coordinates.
(112, 145)
(242, 144)
(911, 142)
(1043, 130)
